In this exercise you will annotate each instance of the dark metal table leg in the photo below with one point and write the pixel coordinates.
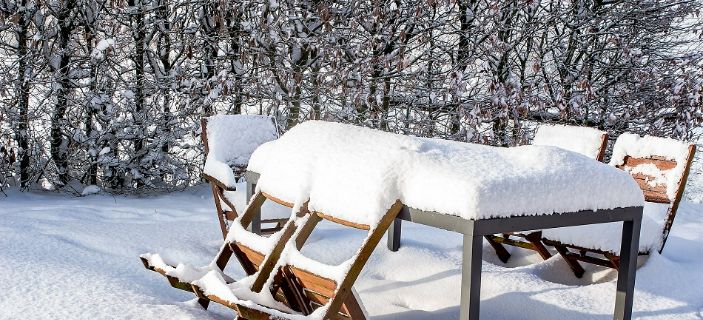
(255, 225)
(394, 235)
(471, 277)
(629, 250)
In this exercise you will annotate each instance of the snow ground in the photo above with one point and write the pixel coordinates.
(77, 258)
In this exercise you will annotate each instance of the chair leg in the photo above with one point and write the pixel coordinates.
(614, 260)
(204, 302)
(573, 263)
(500, 250)
(535, 238)
(355, 310)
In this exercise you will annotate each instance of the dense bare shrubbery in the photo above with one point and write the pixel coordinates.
(109, 92)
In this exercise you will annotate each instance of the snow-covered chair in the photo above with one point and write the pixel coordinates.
(584, 140)
(587, 141)
(297, 286)
(255, 253)
(229, 141)
(660, 166)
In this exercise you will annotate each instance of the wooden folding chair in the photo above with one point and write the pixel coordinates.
(330, 298)
(226, 134)
(648, 171)
(251, 259)
(587, 141)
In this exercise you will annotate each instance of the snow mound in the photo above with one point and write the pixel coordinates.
(583, 140)
(633, 145)
(356, 174)
(231, 141)
(91, 189)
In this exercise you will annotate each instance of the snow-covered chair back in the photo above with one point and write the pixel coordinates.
(587, 141)
(584, 140)
(229, 141)
(659, 165)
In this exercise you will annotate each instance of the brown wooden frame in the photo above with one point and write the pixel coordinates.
(227, 215)
(531, 240)
(573, 254)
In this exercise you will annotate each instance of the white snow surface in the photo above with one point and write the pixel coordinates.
(356, 174)
(583, 140)
(633, 145)
(607, 236)
(78, 258)
(231, 141)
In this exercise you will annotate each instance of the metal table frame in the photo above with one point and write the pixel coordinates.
(475, 230)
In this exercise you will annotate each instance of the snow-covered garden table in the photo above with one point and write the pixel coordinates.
(470, 189)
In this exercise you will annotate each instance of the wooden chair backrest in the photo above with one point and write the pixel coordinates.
(657, 192)
(653, 192)
(228, 212)
(598, 153)
(223, 214)
(238, 169)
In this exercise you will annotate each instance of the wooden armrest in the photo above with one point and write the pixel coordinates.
(218, 183)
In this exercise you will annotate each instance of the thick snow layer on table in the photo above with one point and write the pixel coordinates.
(92, 245)
(607, 236)
(584, 140)
(356, 174)
(231, 141)
(633, 145)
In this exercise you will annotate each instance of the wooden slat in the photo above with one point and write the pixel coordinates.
(659, 163)
(321, 285)
(277, 200)
(652, 193)
(252, 255)
(656, 197)
(658, 191)
(343, 222)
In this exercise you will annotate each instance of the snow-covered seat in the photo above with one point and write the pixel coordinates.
(587, 141)
(660, 166)
(583, 140)
(229, 141)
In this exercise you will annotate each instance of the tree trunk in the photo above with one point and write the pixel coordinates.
(23, 85)
(59, 143)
